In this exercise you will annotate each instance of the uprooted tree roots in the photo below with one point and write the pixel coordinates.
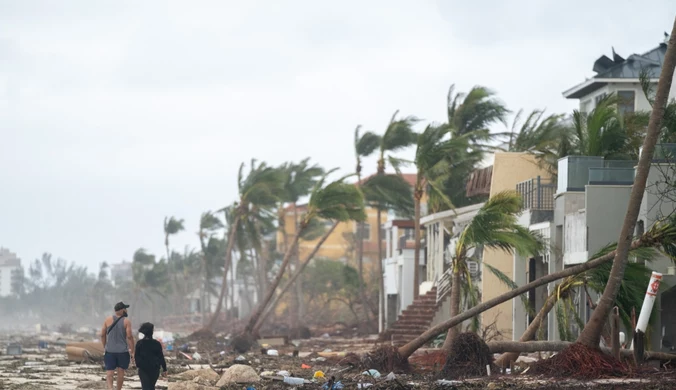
(581, 362)
(384, 358)
(468, 358)
(242, 343)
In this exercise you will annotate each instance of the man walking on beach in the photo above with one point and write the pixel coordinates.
(118, 343)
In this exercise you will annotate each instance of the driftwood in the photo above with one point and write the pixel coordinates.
(555, 346)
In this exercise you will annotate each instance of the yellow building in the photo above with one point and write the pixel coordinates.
(341, 243)
(508, 170)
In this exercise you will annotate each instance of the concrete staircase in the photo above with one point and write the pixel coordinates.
(415, 319)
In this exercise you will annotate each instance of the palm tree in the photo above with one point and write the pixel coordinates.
(336, 201)
(300, 179)
(149, 277)
(600, 132)
(541, 135)
(470, 115)
(435, 154)
(663, 233)
(398, 135)
(629, 297)
(364, 146)
(591, 334)
(259, 190)
(209, 224)
(494, 226)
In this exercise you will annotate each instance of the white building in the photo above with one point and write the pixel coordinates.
(10, 269)
(620, 76)
(121, 272)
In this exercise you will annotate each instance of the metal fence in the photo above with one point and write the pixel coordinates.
(537, 193)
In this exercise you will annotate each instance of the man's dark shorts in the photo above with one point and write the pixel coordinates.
(113, 361)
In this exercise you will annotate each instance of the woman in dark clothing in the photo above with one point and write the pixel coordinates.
(149, 357)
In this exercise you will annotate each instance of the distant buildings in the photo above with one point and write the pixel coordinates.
(121, 272)
(11, 273)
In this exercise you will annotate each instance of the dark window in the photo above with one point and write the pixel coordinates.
(366, 234)
(625, 102)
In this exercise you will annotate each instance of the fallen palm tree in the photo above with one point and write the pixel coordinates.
(660, 233)
(630, 296)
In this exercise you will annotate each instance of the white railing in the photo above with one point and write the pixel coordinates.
(444, 285)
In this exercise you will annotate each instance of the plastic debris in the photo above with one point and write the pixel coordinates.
(240, 358)
(444, 382)
(272, 352)
(289, 380)
(326, 336)
(318, 359)
(318, 375)
(390, 376)
(196, 356)
(283, 373)
(327, 350)
(305, 366)
(330, 385)
(364, 385)
(372, 373)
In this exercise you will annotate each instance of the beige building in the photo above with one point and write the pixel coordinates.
(509, 169)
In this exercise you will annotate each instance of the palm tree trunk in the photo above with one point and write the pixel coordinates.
(273, 305)
(298, 298)
(591, 334)
(407, 350)
(360, 266)
(226, 268)
(416, 255)
(273, 285)
(455, 306)
(530, 333)
(554, 346)
(381, 277)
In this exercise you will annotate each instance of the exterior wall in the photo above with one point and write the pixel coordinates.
(640, 103)
(9, 265)
(508, 170)
(606, 208)
(340, 245)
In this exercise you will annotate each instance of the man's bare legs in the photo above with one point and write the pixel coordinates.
(109, 379)
(120, 378)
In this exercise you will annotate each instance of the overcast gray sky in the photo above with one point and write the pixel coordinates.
(114, 114)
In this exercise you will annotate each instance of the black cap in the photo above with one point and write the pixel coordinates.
(120, 306)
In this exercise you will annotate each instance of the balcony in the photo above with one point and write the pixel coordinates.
(664, 153)
(537, 193)
(611, 176)
(575, 172)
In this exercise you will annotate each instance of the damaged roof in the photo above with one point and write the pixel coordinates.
(618, 67)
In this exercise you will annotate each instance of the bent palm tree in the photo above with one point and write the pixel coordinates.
(435, 156)
(364, 146)
(299, 180)
(494, 226)
(591, 334)
(629, 297)
(258, 190)
(337, 201)
(662, 232)
(398, 135)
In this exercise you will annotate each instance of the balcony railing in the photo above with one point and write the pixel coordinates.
(611, 176)
(665, 153)
(537, 193)
(575, 172)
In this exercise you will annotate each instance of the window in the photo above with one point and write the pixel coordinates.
(366, 234)
(409, 234)
(625, 102)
